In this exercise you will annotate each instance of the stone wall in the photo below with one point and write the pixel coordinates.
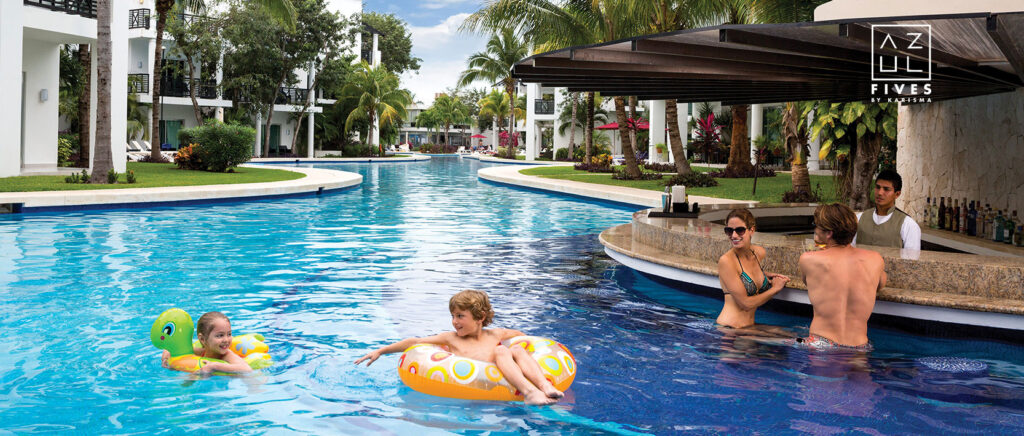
(972, 147)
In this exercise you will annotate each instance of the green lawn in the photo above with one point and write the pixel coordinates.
(151, 175)
(769, 189)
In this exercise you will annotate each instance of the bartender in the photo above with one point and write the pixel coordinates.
(885, 225)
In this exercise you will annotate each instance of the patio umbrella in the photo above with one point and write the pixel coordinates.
(478, 136)
(639, 125)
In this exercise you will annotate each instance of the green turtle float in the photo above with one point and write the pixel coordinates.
(172, 331)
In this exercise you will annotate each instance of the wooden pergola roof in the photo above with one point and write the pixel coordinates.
(971, 54)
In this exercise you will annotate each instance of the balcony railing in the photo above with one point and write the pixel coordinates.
(543, 107)
(180, 88)
(296, 96)
(188, 19)
(138, 18)
(138, 83)
(85, 8)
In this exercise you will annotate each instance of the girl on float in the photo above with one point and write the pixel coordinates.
(214, 332)
(744, 281)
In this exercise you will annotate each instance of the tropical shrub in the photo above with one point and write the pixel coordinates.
(130, 176)
(562, 154)
(694, 179)
(187, 158)
(217, 146)
(659, 167)
(358, 150)
(111, 176)
(67, 145)
(731, 174)
(580, 152)
(644, 175)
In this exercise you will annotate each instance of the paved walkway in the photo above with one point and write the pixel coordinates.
(641, 197)
(314, 181)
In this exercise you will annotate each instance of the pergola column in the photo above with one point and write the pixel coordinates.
(309, 137)
(656, 130)
(756, 126)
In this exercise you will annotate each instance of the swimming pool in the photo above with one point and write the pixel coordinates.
(327, 278)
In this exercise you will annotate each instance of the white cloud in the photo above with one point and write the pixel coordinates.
(444, 51)
(439, 4)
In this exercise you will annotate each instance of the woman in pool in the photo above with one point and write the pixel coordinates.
(745, 283)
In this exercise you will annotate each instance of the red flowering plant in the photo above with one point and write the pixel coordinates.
(708, 135)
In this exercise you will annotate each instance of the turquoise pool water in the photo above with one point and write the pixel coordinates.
(328, 278)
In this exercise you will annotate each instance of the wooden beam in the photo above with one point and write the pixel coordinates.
(705, 68)
(1007, 31)
(755, 56)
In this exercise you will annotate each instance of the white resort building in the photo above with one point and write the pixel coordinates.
(31, 35)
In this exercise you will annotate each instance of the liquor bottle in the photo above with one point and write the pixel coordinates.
(997, 227)
(1018, 236)
(1009, 227)
(934, 215)
(972, 220)
(985, 219)
(949, 213)
(963, 216)
(954, 223)
(925, 219)
(942, 213)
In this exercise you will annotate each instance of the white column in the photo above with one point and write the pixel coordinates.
(220, 76)
(309, 136)
(120, 52)
(494, 134)
(259, 134)
(11, 104)
(532, 93)
(375, 138)
(149, 69)
(683, 118)
(756, 126)
(813, 164)
(375, 54)
(656, 130)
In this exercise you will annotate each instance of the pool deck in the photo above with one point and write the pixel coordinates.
(315, 181)
(510, 175)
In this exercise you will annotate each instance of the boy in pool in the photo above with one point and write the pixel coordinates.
(471, 311)
(214, 331)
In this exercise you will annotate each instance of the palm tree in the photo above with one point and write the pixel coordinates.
(282, 10)
(495, 104)
(428, 119)
(796, 136)
(570, 118)
(551, 25)
(449, 111)
(378, 98)
(103, 159)
(494, 65)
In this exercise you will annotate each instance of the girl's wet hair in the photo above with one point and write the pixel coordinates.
(476, 302)
(205, 323)
(743, 214)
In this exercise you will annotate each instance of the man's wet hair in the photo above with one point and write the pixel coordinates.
(839, 219)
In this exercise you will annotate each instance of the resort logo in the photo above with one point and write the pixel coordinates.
(898, 70)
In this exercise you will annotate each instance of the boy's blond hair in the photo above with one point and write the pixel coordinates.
(476, 302)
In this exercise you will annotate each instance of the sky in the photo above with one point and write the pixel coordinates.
(434, 25)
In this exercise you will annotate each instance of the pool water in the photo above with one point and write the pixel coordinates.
(328, 278)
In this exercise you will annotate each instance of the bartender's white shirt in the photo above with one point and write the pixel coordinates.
(910, 232)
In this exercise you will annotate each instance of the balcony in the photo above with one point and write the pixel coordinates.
(543, 107)
(85, 8)
(138, 83)
(180, 88)
(138, 19)
(295, 96)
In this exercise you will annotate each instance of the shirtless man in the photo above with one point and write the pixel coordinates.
(471, 311)
(842, 281)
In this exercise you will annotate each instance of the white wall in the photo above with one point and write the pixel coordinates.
(971, 147)
(139, 54)
(11, 39)
(41, 63)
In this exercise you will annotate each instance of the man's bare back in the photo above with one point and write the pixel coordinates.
(842, 282)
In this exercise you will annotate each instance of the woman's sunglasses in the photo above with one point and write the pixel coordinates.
(739, 231)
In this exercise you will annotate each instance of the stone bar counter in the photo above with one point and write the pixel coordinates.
(988, 285)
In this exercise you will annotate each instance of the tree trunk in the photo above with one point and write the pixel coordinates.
(588, 134)
(863, 167)
(572, 125)
(192, 83)
(310, 95)
(158, 55)
(739, 149)
(104, 161)
(632, 170)
(266, 131)
(801, 179)
(632, 123)
(84, 106)
(678, 153)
